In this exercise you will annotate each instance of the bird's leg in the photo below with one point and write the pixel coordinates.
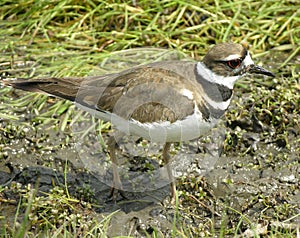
(166, 160)
(117, 184)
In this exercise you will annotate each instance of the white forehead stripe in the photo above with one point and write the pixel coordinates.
(232, 57)
(248, 61)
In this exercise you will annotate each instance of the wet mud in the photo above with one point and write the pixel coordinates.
(245, 172)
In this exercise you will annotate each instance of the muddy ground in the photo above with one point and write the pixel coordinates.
(245, 174)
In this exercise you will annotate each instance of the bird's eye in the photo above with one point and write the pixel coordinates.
(235, 63)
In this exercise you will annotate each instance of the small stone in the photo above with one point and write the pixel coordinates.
(288, 179)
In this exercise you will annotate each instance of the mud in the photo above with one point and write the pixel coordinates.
(245, 173)
(258, 180)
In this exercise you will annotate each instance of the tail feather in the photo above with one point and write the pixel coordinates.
(66, 88)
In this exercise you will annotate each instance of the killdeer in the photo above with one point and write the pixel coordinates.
(162, 102)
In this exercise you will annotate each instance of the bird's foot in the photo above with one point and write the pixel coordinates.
(114, 194)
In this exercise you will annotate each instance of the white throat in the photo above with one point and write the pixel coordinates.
(212, 77)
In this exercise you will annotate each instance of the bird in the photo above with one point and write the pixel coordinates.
(163, 102)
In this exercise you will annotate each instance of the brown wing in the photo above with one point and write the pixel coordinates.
(146, 94)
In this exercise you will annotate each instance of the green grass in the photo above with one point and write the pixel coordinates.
(80, 38)
(81, 35)
(69, 38)
(54, 214)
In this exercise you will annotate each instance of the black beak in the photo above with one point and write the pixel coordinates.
(255, 69)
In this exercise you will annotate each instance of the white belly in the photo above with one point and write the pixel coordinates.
(190, 128)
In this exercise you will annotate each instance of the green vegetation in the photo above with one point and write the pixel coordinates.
(79, 38)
